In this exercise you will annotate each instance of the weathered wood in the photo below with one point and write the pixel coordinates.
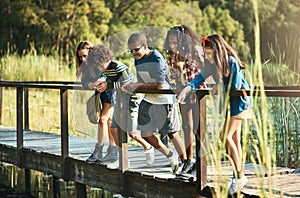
(80, 190)
(201, 144)
(20, 126)
(41, 152)
(141, 186)
(26, 109)
(64, 131)
(1, 100)
(27, 182)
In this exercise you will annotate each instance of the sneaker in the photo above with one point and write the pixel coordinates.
(149, 156)
(96, 155)
(115, 165)
(232, 187)
(229, 182)
(111, 156)
(187, 165)
(193, 169)
(240, 183)
(237, 184)
(174, 161)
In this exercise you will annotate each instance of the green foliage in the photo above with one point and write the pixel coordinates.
(279, 74)
(56, 27)
(34, 67)
(222, 23)
(285, 40)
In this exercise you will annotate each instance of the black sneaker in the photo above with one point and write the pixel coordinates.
(192, 169)
(187, 165)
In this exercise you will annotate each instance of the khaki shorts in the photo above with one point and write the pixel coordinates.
(247, 114)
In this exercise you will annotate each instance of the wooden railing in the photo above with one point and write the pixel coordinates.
(23, 117)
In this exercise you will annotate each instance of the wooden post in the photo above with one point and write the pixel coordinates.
(27, 182)
(201, 143)
(1, 95)
(64, 132)
(26, 109)
(80, 190)
(122, 101)
(56, 187)
(20, 141)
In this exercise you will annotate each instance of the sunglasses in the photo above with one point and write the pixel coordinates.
(135, 50)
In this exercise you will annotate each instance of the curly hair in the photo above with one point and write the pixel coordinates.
(98, 55)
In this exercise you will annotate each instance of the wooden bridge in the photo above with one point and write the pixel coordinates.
(63, 156)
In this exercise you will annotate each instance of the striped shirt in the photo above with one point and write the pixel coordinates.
(117, 75)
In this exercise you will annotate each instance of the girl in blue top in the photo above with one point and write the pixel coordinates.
(224, 64)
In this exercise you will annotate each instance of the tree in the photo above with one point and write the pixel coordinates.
(221, 22)
(17, 20)
(283, 36)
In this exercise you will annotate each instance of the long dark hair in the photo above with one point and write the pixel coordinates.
(221, 52)
(187, 40)
(82, 45)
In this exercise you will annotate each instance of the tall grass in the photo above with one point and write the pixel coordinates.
(34, 67)
(44, 109)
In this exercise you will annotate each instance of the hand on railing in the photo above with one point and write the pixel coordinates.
(130, 87)
(182, 95)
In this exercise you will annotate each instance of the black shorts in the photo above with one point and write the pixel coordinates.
(104, 98)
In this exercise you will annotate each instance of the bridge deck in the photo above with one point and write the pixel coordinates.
(42, 152)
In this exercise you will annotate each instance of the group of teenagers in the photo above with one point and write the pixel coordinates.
(189, 62)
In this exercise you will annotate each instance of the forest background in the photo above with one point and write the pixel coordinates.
(55, 27)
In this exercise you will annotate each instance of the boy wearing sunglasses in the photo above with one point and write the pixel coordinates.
(157, 112)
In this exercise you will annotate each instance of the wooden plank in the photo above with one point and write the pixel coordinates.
(43, 154)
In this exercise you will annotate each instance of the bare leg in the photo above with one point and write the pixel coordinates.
(115, 133)
(155, 142)
(140, 140)
(110, 135)
(233, 144)
(103, 128)
(237, 139)
(178, 145)
(187, 126)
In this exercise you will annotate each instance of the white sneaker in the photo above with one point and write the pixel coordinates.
(115, 165)
(240, 183)
(237, 184)
(174, 161)
(149, 156)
